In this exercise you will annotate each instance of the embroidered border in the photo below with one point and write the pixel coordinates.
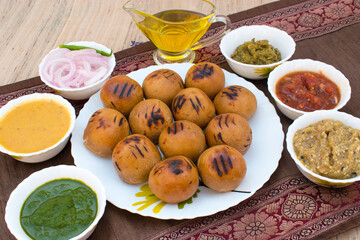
(294, 208)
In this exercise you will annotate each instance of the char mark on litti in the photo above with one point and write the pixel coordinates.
(117, 166)
(155, 117)
(220, 123)
(218, 136)
(101, 124)
(232, 92)
(195, 106)
(95, 113)
(223, 164)
(135, 146)
(169, 74)
(121, 121)
(175, 127)
(124, 91)
(116, 88)
(179, 102)
(203, 71)
(132, 138)
(174, 166)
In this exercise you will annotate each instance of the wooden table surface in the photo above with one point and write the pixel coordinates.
(29, 29)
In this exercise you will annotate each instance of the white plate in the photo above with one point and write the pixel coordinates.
(262, 158)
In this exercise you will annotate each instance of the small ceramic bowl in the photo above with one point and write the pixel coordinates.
(51, 151)
(81, 92)
(276, 37)
(313, 66)
(314, 117)
(27, 186)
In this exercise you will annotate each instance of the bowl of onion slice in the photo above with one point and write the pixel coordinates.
(77, 70)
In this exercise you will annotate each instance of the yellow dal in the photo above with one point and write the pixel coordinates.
(34, 126)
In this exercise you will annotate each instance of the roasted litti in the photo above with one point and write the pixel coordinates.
(134, 157)
(150, 117)
(121, 93)
(207, 76)
(229, 129)
(174, 179)
(182, 138)
(236, 99)
(221, 168)
(106, 127)
(162, 84)
(194, 105)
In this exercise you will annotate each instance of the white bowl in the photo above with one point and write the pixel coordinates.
(277, 38)
(314, 117)
(82, 92)
(51, 151)
(27, 186)
(313, 66)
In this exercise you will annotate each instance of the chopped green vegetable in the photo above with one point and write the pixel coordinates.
(75, 47)
(256, 52)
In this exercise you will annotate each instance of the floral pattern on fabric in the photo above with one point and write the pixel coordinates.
(255, 226)
(294, 208)
(299, 206)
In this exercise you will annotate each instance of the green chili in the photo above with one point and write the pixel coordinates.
(75, 47)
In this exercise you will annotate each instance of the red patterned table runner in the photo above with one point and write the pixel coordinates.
(293, 208)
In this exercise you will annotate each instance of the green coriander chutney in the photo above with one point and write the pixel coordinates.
(59, 209)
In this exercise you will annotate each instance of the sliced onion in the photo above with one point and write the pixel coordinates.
(100, 73)
(73, 69)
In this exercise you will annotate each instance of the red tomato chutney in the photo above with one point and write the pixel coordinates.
(307, 91)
